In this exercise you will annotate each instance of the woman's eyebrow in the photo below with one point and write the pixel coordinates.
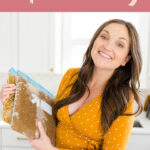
(122, 38)
(105, 31)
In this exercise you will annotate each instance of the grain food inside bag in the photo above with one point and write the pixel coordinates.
(33, 103)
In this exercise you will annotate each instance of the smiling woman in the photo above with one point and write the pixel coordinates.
(94, 103)
(113, 46)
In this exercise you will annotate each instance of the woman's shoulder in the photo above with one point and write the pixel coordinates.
(71, 71)
(68, 75)
(66, 80)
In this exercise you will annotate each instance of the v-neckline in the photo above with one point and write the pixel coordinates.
(81, 107)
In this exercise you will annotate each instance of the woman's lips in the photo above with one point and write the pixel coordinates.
(105, 55)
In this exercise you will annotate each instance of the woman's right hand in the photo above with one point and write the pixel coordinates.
(6, 90)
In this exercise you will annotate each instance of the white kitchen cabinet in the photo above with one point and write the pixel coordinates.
(0, 140)
(11, 140)
(35, 45)
(27, 41)
(8, 41)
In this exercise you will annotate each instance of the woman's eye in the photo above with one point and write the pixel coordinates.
(120, 45)
(103, 37)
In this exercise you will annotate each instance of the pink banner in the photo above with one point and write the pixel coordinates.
(75, 5)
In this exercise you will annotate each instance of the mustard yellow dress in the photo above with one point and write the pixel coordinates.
(82, 130)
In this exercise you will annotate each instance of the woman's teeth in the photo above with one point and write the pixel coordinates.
(104, 55)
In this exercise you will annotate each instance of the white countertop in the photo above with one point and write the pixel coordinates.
(4, 124)
(145, 122)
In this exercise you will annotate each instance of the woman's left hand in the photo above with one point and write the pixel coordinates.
(43, 143)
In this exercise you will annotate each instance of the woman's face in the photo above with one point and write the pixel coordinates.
(111, 47)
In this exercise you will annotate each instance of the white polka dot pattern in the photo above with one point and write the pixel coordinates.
(82, 130)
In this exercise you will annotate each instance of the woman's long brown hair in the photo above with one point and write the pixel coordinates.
(117, 90)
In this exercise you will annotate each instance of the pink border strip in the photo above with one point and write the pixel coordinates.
(75, 5)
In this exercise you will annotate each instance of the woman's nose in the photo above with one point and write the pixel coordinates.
(109, 45)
